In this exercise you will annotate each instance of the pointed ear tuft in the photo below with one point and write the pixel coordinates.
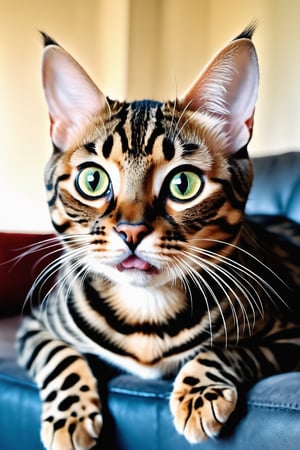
(47, 40)
(73, 98)
(248, 32)
(227, 89)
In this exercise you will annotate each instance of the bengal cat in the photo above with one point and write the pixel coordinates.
(161, 273)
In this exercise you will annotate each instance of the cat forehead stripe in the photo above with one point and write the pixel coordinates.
(140, 124)
(107, 146)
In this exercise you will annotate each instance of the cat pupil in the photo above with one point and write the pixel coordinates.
(182, 183)
(93, 180)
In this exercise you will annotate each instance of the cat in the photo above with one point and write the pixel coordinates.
(161, 274)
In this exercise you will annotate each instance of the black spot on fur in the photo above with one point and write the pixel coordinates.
(211, 396)
(84, 388)
(99, 241)
(68, 402)
(168, 149)
(198, 403)
(49, 419)
(71, 379)
(52, 396)
(107, 146)
(191, 381)
(197, 389)
(59, 424)
(59, 368)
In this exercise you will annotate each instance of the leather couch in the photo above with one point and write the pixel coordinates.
(136, 411)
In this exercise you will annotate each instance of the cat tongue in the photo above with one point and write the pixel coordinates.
(133, 262)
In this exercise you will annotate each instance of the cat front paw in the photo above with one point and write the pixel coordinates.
(71, 417)
(71, 433)
(74, 429)
(199, 406)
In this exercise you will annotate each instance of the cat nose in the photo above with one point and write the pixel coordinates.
(132, 233)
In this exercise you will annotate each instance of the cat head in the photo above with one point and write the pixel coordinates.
(136, 189)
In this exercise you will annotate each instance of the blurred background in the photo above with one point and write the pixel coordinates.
(133, 49)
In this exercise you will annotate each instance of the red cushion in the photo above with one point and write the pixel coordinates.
(17, 272)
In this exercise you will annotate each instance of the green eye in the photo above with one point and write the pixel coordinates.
(92, 182)
(185, 185)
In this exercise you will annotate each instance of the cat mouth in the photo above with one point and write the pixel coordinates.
(134, 262)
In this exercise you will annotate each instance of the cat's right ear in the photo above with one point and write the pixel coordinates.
(72, 97)
(227, 89)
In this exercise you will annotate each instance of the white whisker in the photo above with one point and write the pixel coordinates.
(221, 281)
(182, 276)
(172, 120)
(30, 249)
(242, 250)
(177, 132)
(267, 288)
(237, 267)
(48, 272)
(201, 283)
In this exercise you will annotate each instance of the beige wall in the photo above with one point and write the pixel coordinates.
(133, 49)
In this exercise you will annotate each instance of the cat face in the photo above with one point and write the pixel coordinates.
(136, 189)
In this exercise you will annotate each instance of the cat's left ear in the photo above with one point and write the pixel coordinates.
(73, 98)
(227, 89)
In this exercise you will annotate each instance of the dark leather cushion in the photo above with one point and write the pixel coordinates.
(137, 415)
(276, 187)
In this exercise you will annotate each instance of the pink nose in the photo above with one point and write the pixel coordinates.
(132, 233)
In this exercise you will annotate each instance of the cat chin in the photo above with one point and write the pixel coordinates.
(139, 278)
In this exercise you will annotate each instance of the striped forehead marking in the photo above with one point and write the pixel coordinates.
(135, 120)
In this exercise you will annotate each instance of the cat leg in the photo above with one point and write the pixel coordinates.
(71, 416)
(71, 409)
(204, 396)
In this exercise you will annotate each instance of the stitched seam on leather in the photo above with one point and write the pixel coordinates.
(293, 407)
